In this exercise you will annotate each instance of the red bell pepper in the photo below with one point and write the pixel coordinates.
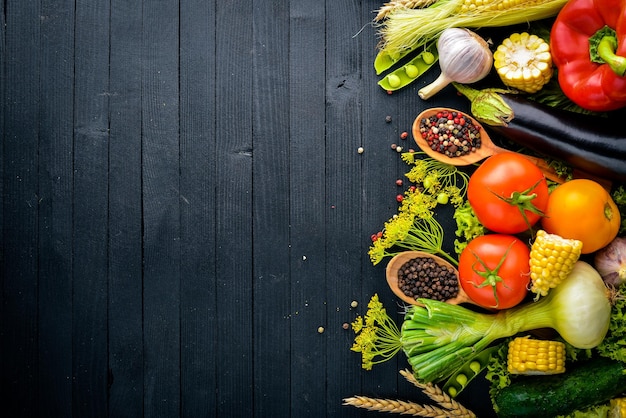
(588, 44)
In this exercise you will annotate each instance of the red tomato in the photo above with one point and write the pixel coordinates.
(508, 193)
(494, 270)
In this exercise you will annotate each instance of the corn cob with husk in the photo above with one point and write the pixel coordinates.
(406, 28)
(552, 259)
(390, 6)
(529, 356)
(523, 62)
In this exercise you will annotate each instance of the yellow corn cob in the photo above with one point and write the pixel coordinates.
(618, 408)
(524, 62)
(495, 5)
(530, 356)
(552, 259)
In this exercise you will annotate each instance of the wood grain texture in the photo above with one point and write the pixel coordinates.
(184, 205)
(270, 200)
(21, 60)
(56, 209)
(234, 189)
(90, 203)
(307, 207)
(198, 155)
(125, 235)
(344, 182)
(161, 207)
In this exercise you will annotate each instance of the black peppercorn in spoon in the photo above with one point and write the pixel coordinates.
(393, 268)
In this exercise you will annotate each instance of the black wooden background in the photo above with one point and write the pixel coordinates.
(183, 206)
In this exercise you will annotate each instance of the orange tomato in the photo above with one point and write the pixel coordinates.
(582, 209)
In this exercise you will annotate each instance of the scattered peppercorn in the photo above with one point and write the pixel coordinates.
(394, 146)
(354, 304)
(360, 150)
(388, 119)
(421, 277)
(404, 135)
(398, 149)
(451, 133)
(320, 330)
(399, 198)
(345, 325)
(399, 182)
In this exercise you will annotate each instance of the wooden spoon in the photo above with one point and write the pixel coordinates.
(487, 148)
(398, 261)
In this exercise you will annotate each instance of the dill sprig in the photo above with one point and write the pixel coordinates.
(414, 227)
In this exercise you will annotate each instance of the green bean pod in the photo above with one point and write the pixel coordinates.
(409, 72)
(468, 371)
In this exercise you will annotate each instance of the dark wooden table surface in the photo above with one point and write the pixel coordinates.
(183, 206)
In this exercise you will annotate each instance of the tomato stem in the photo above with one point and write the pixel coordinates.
(491, 277)
(523, 201)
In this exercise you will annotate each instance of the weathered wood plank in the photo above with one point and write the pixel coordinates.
(90, 200)
(344, 177)
(20, 203)
(161, 207)
(125, 263)
(308, 207)
(270, 200)
(56, 170)
(234, 212)
(198, 208)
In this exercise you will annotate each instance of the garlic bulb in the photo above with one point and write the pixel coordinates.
(610, 262)
(464, 57)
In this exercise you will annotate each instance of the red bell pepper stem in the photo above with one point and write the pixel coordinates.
(606, 50)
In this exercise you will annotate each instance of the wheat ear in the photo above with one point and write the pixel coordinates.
(438, 395)
(396, 406)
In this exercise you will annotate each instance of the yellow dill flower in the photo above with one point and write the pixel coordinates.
(357, 324)
(418, 172)
(377, 336)
(377, 251)
(417, 204)
(456, 195)
(397, 228)
(409, 157)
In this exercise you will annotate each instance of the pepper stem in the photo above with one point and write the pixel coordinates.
(602, 48)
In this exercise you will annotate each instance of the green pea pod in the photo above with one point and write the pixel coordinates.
(409, 72)
(385, 60)
(468, 371)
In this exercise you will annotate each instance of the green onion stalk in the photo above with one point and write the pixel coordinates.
(438, 338)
